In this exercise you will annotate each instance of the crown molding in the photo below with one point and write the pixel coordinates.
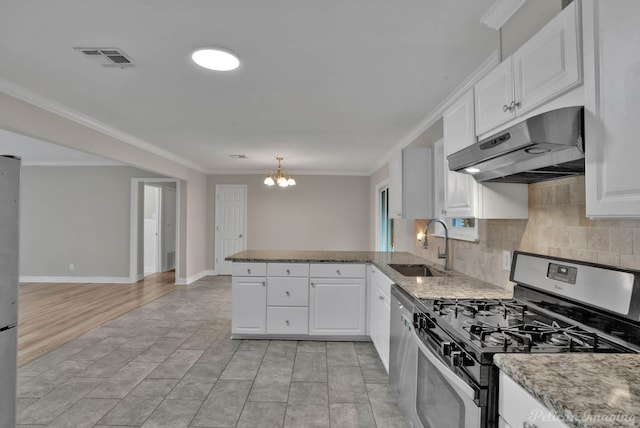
(289, 172)
(436, 114)
(28, 96)
(75, 163)
(500, 12)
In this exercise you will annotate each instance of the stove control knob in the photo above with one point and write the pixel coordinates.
(416, 320)
(457, 359)
(445, 348)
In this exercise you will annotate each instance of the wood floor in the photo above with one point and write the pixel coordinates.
(50, 315)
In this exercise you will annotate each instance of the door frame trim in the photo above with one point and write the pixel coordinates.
(133, 227)
(215, 221)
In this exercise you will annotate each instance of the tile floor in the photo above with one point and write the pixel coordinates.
(171, 363)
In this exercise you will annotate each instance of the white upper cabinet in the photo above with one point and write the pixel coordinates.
(411, 183)
(546, 66)
(463, 196)
(550, 62)
(494, 96)
(612, 107)
(459, 132)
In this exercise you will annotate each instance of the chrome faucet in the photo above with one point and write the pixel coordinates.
(425, 243)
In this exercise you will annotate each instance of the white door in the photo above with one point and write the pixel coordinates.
(230, 233)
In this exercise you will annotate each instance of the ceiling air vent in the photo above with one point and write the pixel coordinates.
(108, 57)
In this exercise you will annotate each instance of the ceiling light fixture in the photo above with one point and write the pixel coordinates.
(215, 59)
(279, 178)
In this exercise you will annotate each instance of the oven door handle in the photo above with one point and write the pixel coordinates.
(444, 370)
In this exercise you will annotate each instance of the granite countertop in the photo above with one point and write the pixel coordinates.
(584, 390)
(450, 284)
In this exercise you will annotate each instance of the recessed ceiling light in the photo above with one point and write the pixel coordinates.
(472, 170)
(215, 59)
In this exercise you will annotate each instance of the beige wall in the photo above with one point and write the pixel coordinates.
(78, 215)
(28, 119)
(319, 213)
(557, 226)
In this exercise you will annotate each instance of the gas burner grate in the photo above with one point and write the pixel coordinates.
(537, 334)
(480, 307)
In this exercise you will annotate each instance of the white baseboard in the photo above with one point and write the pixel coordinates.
(78, 279)
(193, 278)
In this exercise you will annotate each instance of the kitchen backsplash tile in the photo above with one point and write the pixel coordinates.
(557, 226)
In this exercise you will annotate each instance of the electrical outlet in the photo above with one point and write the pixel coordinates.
(506, 260)
(71, 267)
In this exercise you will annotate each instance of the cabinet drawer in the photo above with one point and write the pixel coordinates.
(288, 269)
(337, 270)
(286, 320)
(287, 291)
(249, 269)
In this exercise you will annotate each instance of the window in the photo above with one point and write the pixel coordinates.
(463, 228)
(386, 224)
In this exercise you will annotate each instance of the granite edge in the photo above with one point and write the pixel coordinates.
(511, 368)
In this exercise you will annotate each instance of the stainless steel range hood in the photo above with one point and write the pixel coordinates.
(543, 147)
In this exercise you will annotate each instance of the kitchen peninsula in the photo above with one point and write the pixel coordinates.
(323, 294)
(444, 284)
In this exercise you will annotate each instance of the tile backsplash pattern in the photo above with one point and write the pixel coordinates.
(557, 226)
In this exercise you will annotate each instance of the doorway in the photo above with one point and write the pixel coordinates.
(230, 224)
(154, 232)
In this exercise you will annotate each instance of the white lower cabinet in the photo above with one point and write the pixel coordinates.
(249, 305)
(287, 302)
(336, 307)
(518, 408)
(337, 301)
(380, 313)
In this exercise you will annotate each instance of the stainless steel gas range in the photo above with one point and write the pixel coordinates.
(559, 305)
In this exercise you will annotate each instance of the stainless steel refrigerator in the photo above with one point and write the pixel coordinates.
(9, 208)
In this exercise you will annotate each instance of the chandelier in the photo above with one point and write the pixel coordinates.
(279, 178)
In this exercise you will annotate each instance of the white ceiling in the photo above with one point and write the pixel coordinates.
(331, 85)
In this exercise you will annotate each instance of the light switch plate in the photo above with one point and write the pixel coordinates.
(506, 260)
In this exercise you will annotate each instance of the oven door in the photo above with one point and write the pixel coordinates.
(443, 400)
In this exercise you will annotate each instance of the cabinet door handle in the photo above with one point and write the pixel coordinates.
(287, 321)
(514, 105)
(287, 293)
(264, 283)
(288, 272)
(249, 271)
(381, 297)
(338, 271)
(506, 108)
(313, 284)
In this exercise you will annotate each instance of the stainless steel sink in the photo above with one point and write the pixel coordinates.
(412, 270)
